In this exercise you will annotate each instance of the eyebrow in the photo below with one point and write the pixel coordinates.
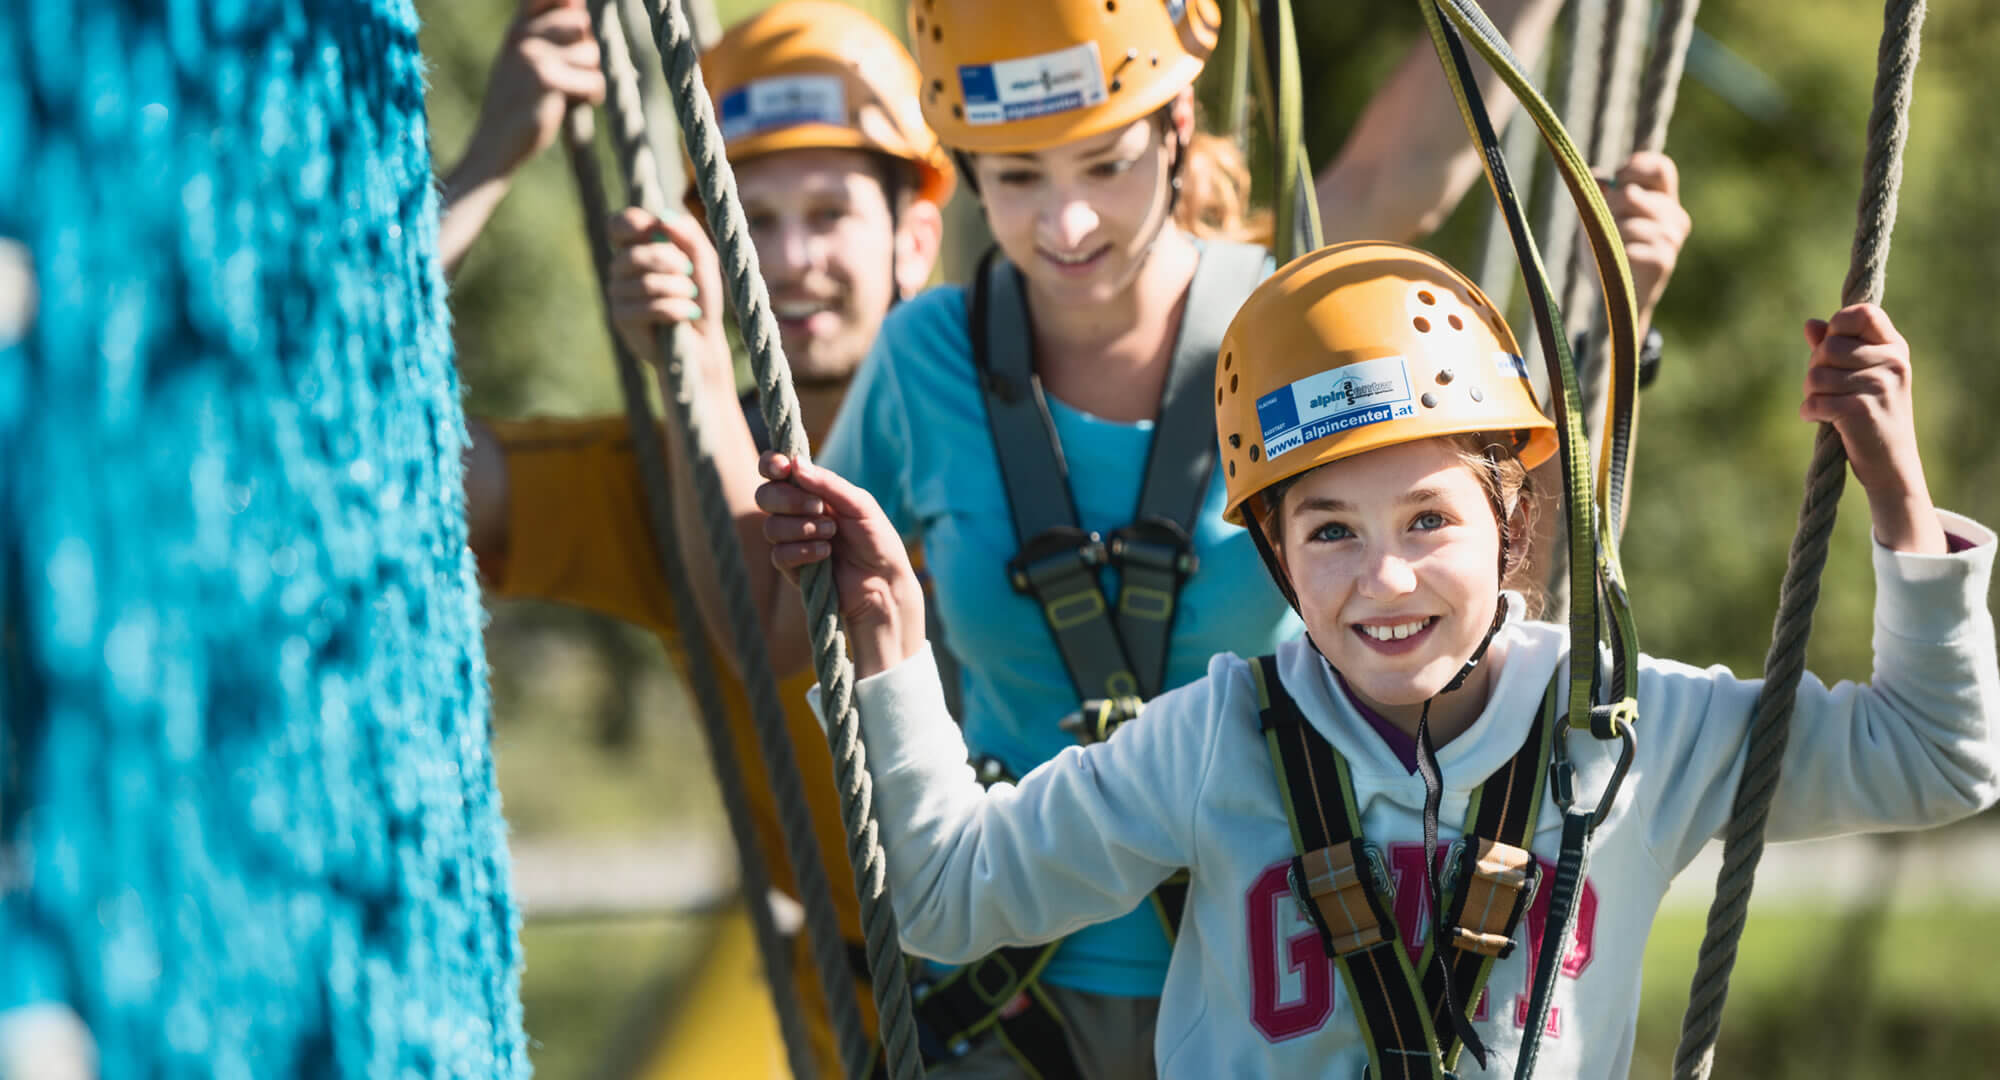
(1110, 143)
(1336, 506)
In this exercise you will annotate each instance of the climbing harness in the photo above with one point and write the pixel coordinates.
(1342, 885)
(781, 413)
(1116, 656)
(1110, 652)
(1784, 665)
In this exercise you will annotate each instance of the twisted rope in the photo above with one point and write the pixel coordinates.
(677, 347)
(579, 139)
(717, 183)
(1618, 54)
(1660, 85)
(1770, 722)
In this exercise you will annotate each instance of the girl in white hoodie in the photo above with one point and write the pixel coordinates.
(1376, 430)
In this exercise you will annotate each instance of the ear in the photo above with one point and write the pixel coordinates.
(1181, 114)
(919, 232)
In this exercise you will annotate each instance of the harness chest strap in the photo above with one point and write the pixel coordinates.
(1344, 889)
(1121, 651)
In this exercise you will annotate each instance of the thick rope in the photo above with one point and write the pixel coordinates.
(641, 168)
(1770, 722)
(579, 139)
(717, 183)
(1660, 85)
(1617, 61)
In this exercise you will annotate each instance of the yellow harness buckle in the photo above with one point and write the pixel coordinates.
(1343, 889)
(1499, 884)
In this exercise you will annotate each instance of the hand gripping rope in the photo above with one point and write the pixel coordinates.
(643, 186)
(717, 184)
(642, 173)
(1770, 720)
(1592, 511)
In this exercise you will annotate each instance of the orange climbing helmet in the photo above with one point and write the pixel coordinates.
(815, 74)
(1001, 77)
(1359, 346)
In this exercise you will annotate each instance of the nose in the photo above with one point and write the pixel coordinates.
(1069, 221)
(1385, 574)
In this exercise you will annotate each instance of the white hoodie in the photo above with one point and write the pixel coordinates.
(1249, 992)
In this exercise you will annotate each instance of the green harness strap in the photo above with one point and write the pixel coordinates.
(1343, 888)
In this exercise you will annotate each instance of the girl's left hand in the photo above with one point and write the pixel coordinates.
(816, 516)
(1858, 380)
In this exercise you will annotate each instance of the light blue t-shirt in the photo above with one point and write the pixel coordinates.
(913, 432)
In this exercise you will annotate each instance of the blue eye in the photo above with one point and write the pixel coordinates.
(1429, 519)
(1332, 530)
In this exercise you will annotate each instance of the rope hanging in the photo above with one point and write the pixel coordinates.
(717, 184)
(724, 761)
(1770, 721)
(1610, 143)
(642, 174)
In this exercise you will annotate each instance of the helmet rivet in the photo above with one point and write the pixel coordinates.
(1477, 394)
(1430, 400)
(1444, 376)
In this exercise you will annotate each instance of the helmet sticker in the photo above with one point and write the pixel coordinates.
(1510, 365)
(1054, 82)
(1322, 404)
(1176, 9)
(786, 101)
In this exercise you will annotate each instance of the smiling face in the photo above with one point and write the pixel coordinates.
(824, 234)
(1078, 219)
(1394, 555)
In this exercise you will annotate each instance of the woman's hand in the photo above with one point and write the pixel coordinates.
(1858, 380)
(815, 516)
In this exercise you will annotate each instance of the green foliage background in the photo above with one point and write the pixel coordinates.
(1721, 455)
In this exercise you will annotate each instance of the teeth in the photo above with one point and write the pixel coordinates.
(1395, 633)
(798, 309)
(1071, 260)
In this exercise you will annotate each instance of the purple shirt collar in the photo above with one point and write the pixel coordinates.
(1400, 742)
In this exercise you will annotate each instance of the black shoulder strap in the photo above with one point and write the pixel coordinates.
(1341, 887)
(1123, 654)
(1057, 561)
(1155, 553)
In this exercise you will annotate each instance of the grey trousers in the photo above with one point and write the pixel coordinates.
(1112, 1038)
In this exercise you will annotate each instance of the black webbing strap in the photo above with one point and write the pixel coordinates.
(1402, 1015)
(1107, 653)
(1319, 800)
(998, 995)
(1505, 808)
(1155, 553)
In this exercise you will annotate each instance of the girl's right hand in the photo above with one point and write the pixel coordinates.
(815, 515)
(662, 273)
